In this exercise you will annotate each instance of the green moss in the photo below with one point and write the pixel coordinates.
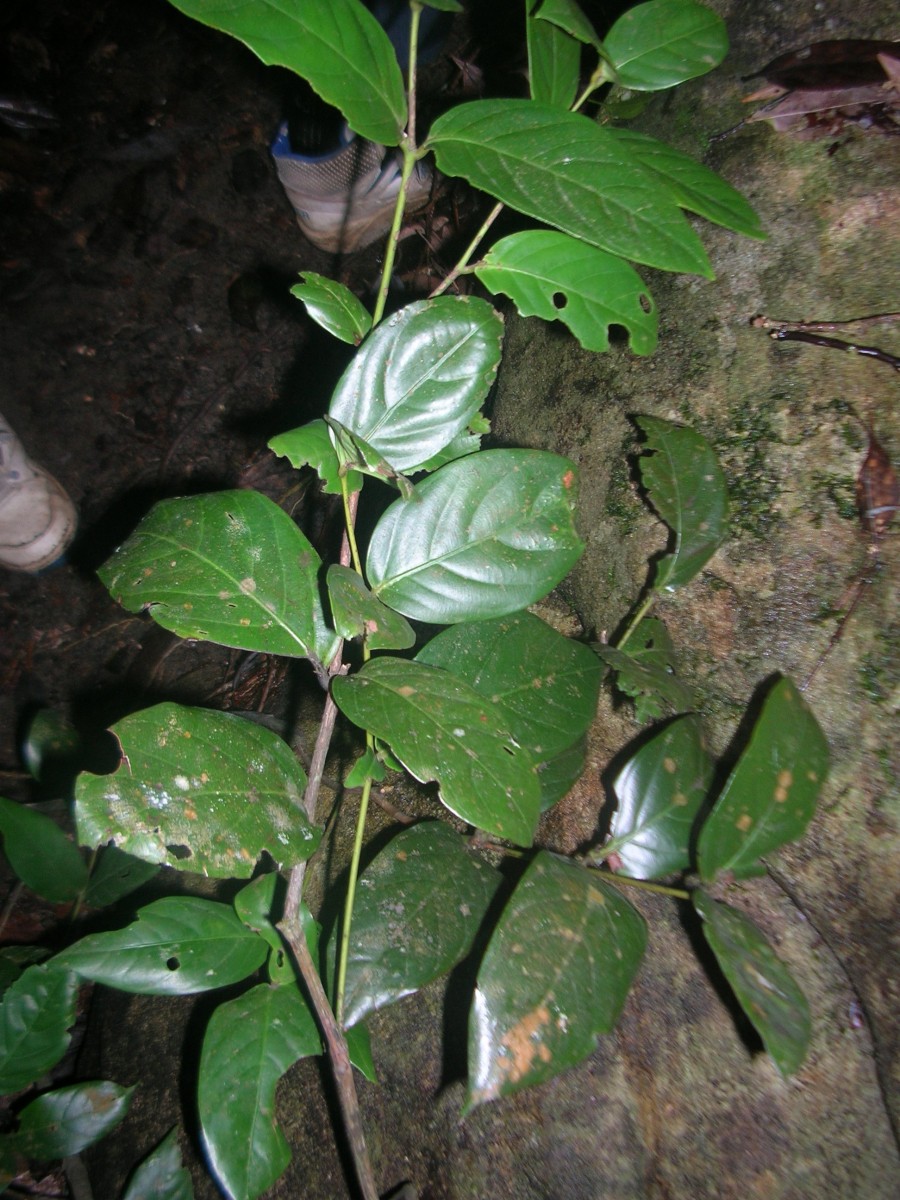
(753, 488)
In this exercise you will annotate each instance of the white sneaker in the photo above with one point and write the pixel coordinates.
(37, 518)
(345, 201)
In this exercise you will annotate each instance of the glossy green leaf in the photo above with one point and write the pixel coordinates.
(686, 486)
(556, 277)
(358, 613)
(335, 44)
(664, 42)
(334, 307)
(64, 1122)
(554, 59)
(418, 907)
(52, 745)
(311, 445)
(359, 1048)
(161, 1176)
(464, 443)
(442, 729)
(200, 791)
(762, 983)
(559, 774)
(555, 975)
(659, 791)
(694, 186)
(565, 170)
(249, 1044)
(645, 670)
(420, 378)
(770, 796)
(114, 875)
(40, 853)
(15, 959)
(37, 1012)
(482, 537)
(567, 15)
(177, 946)
(546, 685)
(228, 567)
(355, 454)
(254, 904)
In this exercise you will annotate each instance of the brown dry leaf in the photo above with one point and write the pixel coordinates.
(877, 490)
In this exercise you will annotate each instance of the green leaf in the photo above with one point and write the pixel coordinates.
(762, 983)
(52, 747)
(334, 307)
(418, 907)
(249, 1044)
(114, 875)
(555, 974)
(359, 1047)
(161, 1175)
(452, 6)
(228, 567)
(559, 774)
(554, 59)
(482, 537)
(563, 169)
(555, 277)
(177, 946)
(770, 796)
(659, 791)
(40, 853)
(200, 791)
(567, 15)
(337, 45)
(254, 904)
(357, 613)
(657, 45)
(645, 670)
(64, 1122)
(686, 486)
(441, 729)
(37, 1012)
(693, 185)
(420, 378)
(311, 444)
(15, 959)
(356, 454)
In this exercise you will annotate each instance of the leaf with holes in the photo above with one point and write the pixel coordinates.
(762, 983)
(645, 671)
(161, 1175)
(565, 170)
(249, 1044)
(40, 853)
(311, 445)
(556, 277)
(664, 42)
(338, 46)
(64, 1122)
(442, 729)
(36, 1015)
(420, 378)
(555, 975)
(770, 797)
(228, 567)
(177, 946)
(659, 791)
(686, 486)
(333, 306)
(554, 58)
(198, 790)
(482, 537)
(357, 613)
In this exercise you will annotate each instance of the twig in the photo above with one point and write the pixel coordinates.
(830, 343)
(764, 322)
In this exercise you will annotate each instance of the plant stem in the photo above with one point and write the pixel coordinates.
(462, 264)
(646, 884)
(350, 896)
(642, 609)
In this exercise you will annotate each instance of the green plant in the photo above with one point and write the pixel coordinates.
(495, 707)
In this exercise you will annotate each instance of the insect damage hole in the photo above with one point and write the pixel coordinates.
(173, 963)
(560, 300)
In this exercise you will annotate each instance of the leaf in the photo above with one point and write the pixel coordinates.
(659, 791)
(357, 613)
(359, 1048)
(877, 490)
(356, 454)
(664, 42)
(563, 169)
(693, 185)
(482, 537)
(420, 378)
(645, 670)
(52, 747)
(333, 306)
(567, 15)
(770, 797)
(40, 853)
(555, 277)
(311, 444)
(228, 567)
(64, 1122)
(200, 791)
(249, 1044)
(36, 1015)
(554, 59)
(559, 774)
(115, 874)
(177, 946)
(686, 486)
(337, 45)
(418, 907)
(555, 974)
(161, 1175)
(762, 983)
(14, 960)
(442, 729)
(452, 6)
